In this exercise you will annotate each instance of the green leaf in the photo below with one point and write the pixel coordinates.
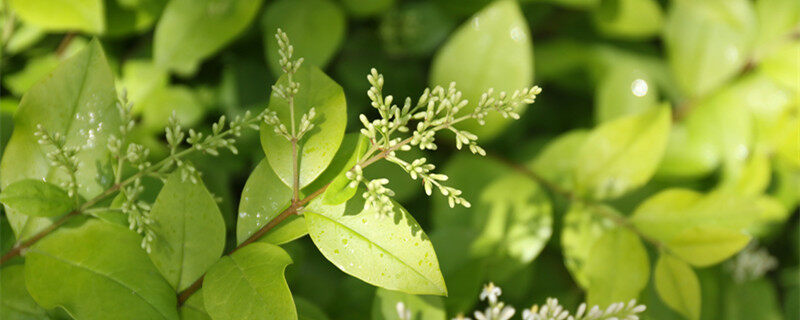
(98, 271)
(757, 299)
(490, 50)
(124, 19)
(629, 19)
(468, 173)
(366, 8)
(316, 28)
(672, 211)
(316, 150)
(622, 155)
(38, 67)
(678, 286)
(190, 31)
(159, 105)
(306, 310)
(62, 15)
(36, 198)
(384, 306)
(391, 252)
(140, 78)
(556, 161)
(582, 228)
(516, 225)
(708, 42)
(776, 20)
(354, 147)
(413, 28)
(77, 101)
(264, 197)
(617, 268)
(193, 308)
(700, 229)
(707, 246)
(624, 89)
(189, 231)
(17, 303)
(249, 284)
(783, 66)
(463, 273)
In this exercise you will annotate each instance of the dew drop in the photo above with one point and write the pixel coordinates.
(639, 87)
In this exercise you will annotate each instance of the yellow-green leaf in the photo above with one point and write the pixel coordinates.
(391, 252)
(98, 271)
(617, 268)
(706, 246)
(490, 50)
(189, 231)
(36, 198)
(678, 286)
(318, 147)
(622, 155)
(62, 15)
(249, 284)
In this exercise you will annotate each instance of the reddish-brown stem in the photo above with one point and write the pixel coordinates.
(27, 243)
(64, 44)
(17, 250)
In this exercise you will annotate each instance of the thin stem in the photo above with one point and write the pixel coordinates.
(62, 47)
(595, 207)
(27, 243)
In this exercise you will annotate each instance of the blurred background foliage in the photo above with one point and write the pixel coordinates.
(728, 69)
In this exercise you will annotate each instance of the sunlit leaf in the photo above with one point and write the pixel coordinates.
(678, 286)
(264, 197)
(76, 101)
(249, 284)
(556, 161)
(617, 268)
(391, 252)
(630, 19)
(708, 42)
(490, 50)
(623, 154)
(98, 271)
(581, 230)
(189, 231)
(624, 90)
(514, 225)
(317, 149)
(62, 15)
(36, 198)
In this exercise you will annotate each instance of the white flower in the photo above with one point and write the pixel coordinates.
(491, 292)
